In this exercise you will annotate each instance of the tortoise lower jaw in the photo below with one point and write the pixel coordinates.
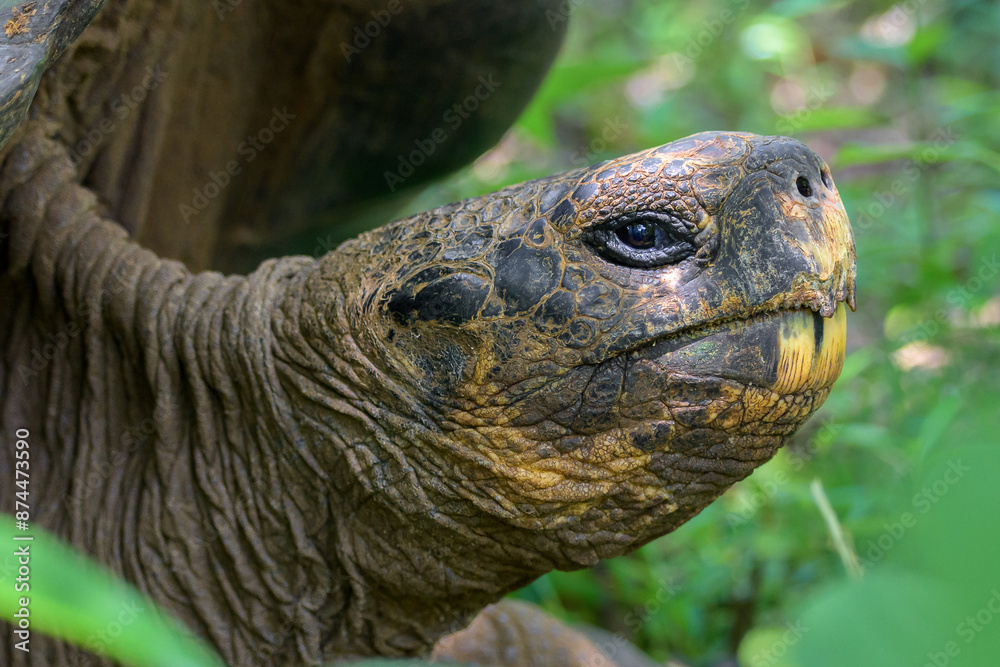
(785, 351)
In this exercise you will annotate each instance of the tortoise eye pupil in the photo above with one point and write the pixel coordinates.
(638, 235)
(805, 188)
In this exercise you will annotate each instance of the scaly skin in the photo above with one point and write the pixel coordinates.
(353, 455)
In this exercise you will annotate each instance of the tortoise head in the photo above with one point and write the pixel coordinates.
(605, 351)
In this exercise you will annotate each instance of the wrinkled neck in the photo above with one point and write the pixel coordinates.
(420, 556)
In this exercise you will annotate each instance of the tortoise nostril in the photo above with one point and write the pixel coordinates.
(804, 186)
(827, 181)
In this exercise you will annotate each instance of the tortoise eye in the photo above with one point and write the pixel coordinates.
(638, 235)
(644, 240)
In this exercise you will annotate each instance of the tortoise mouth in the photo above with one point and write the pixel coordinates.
(788, 351)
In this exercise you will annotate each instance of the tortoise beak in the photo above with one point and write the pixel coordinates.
(787, 352)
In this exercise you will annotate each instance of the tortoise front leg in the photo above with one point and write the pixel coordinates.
(511, 633)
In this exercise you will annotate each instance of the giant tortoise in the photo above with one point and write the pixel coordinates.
(354, 454)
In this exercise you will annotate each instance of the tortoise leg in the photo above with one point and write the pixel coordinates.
(515, 634)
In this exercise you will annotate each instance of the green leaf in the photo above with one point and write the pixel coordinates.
(877, 615)
(828, 118)
(70, 597)
(564, 83)
(767, 645)
(925, 44)
(938, 421)
(856, 362)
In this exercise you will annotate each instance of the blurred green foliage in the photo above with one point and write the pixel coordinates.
(65, 594)
(903, 101)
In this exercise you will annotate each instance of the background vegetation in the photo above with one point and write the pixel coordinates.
(902, 100)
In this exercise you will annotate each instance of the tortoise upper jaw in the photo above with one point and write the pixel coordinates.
(821, 232)
(820, 296)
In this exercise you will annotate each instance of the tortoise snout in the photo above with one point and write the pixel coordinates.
(803, 173)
